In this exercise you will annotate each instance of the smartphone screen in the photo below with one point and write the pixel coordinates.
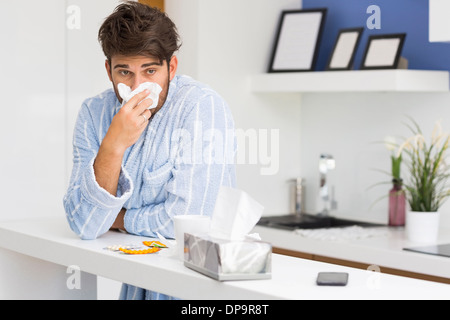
(332, 278)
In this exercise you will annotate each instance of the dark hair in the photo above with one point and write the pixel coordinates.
(137, 29)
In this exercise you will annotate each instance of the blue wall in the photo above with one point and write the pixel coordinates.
(397, 16)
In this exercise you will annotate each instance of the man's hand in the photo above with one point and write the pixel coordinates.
(129, 123)
(125, 129)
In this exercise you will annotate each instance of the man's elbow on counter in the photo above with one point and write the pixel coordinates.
(87, 237)
(79, 226)
(82, 232)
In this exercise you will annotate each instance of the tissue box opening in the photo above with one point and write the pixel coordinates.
(228, 260)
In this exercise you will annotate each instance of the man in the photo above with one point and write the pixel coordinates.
(133, 168)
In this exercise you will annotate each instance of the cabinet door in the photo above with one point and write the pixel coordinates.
(439, 28)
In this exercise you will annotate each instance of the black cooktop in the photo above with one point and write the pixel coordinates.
(437, 250)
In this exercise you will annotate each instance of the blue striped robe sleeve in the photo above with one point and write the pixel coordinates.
(91, 210)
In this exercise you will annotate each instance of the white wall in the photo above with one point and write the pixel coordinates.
(32, 123)
(225, 42)
(350, 127)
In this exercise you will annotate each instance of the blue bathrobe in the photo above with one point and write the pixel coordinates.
(176, 167)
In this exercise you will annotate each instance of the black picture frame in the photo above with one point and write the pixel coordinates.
(297, 42)
(344, 50)
(383, 51)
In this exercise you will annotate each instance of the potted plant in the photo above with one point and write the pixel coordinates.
(427, 185)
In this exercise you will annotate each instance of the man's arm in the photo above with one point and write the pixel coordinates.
(126, 128)
(107, 166)
(91, 201)
(123, 132)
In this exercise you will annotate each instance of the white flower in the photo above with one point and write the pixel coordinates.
(419, 141)
(437, 133)
(390, 143)
(407, 144)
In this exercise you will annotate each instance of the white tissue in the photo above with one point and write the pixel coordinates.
(235, 214)
(126, 94)
(244, 257)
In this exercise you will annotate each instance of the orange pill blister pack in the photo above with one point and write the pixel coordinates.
(154, 244)
(139, 251)
(149, 247)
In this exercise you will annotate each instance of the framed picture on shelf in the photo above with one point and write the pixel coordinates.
(344, 49)
(297, 41)
(383, 51)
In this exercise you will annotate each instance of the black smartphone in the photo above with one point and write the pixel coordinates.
(332, 278)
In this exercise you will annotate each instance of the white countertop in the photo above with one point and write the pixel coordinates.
(382, 250)
(292, 278)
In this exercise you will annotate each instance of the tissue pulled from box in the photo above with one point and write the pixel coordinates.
(227, 260)
(235, 214)
(126, 94)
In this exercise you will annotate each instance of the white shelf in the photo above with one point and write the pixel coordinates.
(353, 81)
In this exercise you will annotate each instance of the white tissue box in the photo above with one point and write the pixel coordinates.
(228, 260)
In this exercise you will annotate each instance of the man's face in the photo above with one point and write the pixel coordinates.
(134, 70)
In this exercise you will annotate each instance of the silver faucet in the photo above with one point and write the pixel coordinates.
(326, 163)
